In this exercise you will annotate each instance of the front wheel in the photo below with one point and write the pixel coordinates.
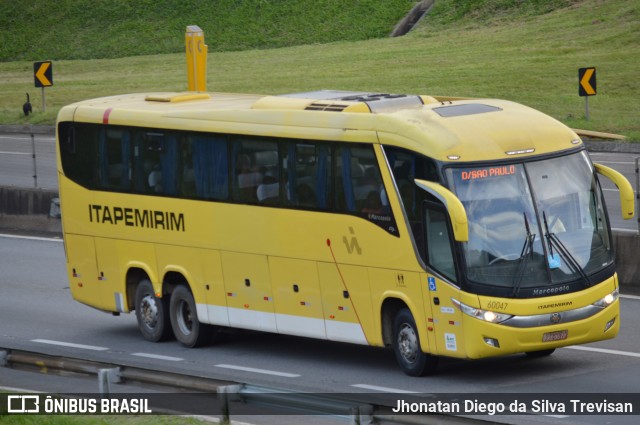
(151, 313)
(184, 319)
(406, 346)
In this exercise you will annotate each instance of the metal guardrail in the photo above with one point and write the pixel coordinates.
(354, 412)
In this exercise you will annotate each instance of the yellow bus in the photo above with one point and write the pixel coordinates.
(435, 226)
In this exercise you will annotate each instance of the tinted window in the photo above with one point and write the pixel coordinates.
(307, 175)
(302, 174)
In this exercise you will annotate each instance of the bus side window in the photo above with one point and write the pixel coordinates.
(254, 160)
(205, 166)
(348, 172)
(79, 152)
(360, 181)
(359, 187)
(115, 159)
(406, 167)
(307, 171)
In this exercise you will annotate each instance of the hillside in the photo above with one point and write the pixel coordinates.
(92, 29)
(529, 54)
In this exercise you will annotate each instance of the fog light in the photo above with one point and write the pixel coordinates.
(609, 324)
(492, 342)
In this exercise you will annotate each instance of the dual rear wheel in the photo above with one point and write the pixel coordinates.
(161, 318)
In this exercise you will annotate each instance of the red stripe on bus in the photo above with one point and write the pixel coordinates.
(105, 117)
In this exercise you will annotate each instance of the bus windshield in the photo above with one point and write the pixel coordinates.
(533, 224)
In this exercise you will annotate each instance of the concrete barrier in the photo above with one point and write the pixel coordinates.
(627, 246)
(31, 211)
(26, 201)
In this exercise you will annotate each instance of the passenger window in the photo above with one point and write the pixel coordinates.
(307, 174)
(359, 187)
(115, 159)
(205, 166)
(79, 153)
(439, 249)
(256, 172)
(359, 181)
(406, 167)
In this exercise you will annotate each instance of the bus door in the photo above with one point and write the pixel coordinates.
(248, 291)
(444, 222)
(441, 288)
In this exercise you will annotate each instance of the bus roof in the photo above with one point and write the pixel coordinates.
(445, 128)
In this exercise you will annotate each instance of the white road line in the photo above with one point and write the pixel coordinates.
(613, 190)
(32, 238)
(631, 297)
(383, 389)
(158, 357)
(254, 370)
(614, 162)
(605, 351)
(69, 344)
(17, 390)
(14, 153)
(36, 136)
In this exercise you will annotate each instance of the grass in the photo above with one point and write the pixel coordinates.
(90, 29)
(529, 55)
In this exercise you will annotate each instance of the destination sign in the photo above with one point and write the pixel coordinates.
(483, 173)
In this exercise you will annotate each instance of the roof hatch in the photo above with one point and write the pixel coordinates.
(465, 109)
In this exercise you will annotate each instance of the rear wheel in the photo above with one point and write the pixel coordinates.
(406, 346)
(184, 319)
(151, 313)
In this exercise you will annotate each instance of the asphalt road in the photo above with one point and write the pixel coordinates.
(38, 314)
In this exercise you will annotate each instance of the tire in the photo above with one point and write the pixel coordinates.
(184, 319)
(540, 353)
(406, 347)
(152, 313)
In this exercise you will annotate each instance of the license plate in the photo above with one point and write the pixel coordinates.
(555, 336)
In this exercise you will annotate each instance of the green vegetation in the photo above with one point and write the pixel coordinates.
(91, 29)
(526, 51)
(491, 12)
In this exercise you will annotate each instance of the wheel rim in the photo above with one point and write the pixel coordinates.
(185, 317)
(149, 311)
(408, 343)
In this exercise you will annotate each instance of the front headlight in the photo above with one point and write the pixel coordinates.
(485, 315)
(608, 299)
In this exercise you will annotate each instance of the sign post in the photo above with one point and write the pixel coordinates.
(43, 77)
(587, 85)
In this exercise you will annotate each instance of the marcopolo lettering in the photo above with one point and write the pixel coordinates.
(134, 217)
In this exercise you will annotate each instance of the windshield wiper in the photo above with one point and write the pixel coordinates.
(525, 254)
(553, 240)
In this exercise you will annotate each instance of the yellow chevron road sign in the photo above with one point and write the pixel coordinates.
(587, 81)
(43, 74)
